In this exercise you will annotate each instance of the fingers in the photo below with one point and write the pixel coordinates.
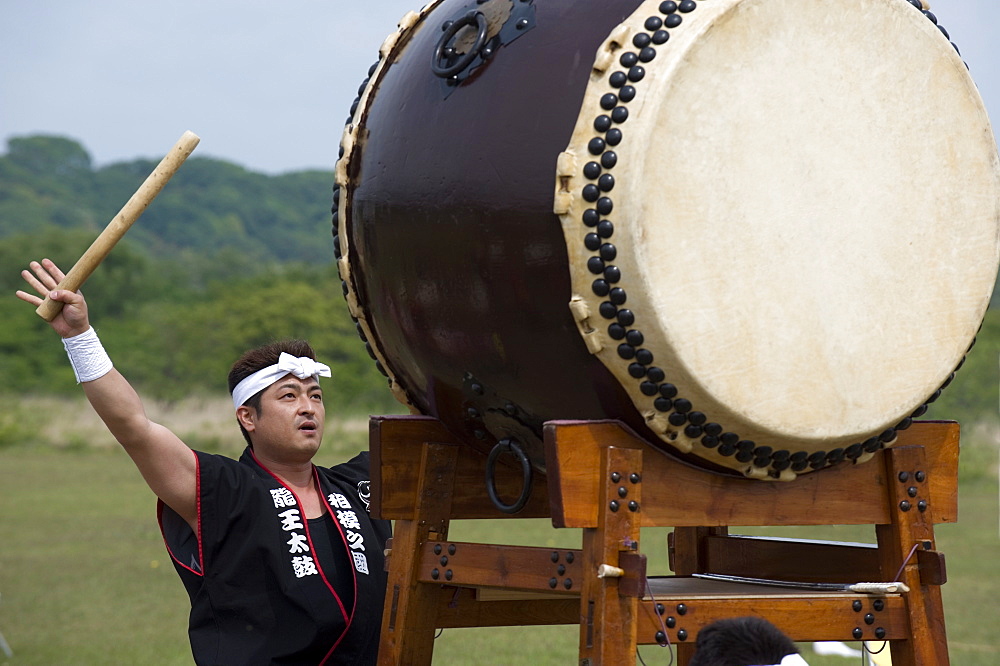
(28, 298)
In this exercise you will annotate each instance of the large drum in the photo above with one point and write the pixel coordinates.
(762, 233)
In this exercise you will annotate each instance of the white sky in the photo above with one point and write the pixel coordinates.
(266, 84)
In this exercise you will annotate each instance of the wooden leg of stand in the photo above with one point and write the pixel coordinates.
(410, 616)
(912, 530)
(608, 623)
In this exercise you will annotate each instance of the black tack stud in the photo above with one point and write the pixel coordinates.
(681, 405)
(671, 622)
(609, 101)
(626, 351)
(605, 228)
(888, 435)
(692, 431)
(617, 80)
(609, 159)
(613, 137)
(448, 574)
(608, 310)
(627, 94)
(673, 21)
(879, 605)
(604, 204)
(591, 170)
(568, 583)
(857, 633)
(697, 418)
(744, 456)
(595, 265)
(618, 296)
(655, 374)
(603, 123)
(592, 242)
(880, 633)
(920, 477)
(682, 634)
(633, 506)
(668, 7)
(660, 37)
(660, 609)
(561, 569)
(646, 54)
(869, 618)
(591, 193)
(553, 582)
(682, 609)
(622, 492)
(904, 477)
(636, 73)
(648, 388)
(644, 356)
(435, 574)
(437, 549)
(641, 40)
(601, 288)
(713, 429)
(634, 477)
(626, 318)
(922, 506)
(661, 638)
(663, 404)
(606, 183)
(653, 23)
(904, 505)
(612, 274)
(616, 331)
(637, 370)
(570, 557)
(730, 438)
(596, 146)
(614, 506)
(451, 549)
(591, 217)
(615, 477)
(619, 114)
(554, 556)
(628, 59)
(635, 338)
(912, 491)
(687, 6)
(676, 419)
(856, 605)
(710, 441)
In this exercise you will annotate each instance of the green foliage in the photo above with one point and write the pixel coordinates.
(974, 395)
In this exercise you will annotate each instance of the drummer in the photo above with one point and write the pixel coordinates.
(280, 557)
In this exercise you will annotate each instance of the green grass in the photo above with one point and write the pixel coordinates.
(85, 579)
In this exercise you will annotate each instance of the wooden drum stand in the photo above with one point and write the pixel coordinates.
(604, 479)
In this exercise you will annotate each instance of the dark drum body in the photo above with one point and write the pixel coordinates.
(540, 215)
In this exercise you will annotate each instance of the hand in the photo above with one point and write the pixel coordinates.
(43, 278)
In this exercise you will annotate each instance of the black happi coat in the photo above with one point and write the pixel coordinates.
(265, 586)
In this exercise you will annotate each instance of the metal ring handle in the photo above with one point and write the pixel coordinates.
(491, 486)
(472, 17)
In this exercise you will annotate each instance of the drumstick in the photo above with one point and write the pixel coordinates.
(121, 222)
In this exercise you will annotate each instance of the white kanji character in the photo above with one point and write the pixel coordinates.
(303, 566)
(349, 520)
(282, 497)
(298, 543)
(357, 541)
(290, 520)
(360, 562)
(338, 501)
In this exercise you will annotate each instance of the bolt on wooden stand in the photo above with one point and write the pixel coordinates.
(604, 479)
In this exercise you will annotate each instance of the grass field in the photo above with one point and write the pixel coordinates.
(85, 579)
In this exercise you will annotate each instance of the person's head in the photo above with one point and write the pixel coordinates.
(742, 641)
(259, 385)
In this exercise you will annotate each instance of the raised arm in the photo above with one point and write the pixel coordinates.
(165, 462)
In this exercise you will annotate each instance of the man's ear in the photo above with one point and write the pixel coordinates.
(247, 417)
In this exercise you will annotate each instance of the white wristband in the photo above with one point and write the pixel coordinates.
(87, 356)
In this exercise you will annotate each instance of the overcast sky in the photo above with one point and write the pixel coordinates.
(267, 84)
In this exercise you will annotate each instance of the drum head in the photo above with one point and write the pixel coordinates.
(782, 223)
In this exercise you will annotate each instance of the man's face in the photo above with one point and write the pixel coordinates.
(289, 426)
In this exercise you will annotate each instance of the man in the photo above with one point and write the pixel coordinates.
(744, 641)
(280, 558)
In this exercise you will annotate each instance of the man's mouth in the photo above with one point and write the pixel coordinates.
(308, 426)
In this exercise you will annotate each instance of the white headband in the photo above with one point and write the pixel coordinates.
(793, 659)
(301, 367)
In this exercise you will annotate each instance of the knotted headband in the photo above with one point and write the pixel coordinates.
(301, 367)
